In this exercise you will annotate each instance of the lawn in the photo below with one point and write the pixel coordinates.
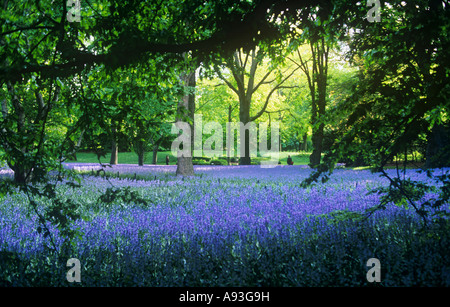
(124, 158)
(226, 226)
(299, 158)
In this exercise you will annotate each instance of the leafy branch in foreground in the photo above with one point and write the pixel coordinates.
(401, 100)
(406, 192)
(51, 209)
(125, 195)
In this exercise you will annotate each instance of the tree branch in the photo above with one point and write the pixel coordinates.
(27, 28)
(253, 28)
(231, 86)
(261, 112)
(262, 81)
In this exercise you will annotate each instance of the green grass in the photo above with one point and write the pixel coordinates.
(299, 158)
(124, 158)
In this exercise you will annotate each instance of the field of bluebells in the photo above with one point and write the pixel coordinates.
(227, 226)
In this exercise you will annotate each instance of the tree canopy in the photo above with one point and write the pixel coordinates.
(400, 98)
(116, 33)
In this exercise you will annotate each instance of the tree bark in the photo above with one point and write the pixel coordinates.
(155, 154)
(244, 117)
(140, 152)
(186, 109)
(318, 129)
(316, 75)
(304, 146)
(114, 148)
(317, 143)
(228, 133)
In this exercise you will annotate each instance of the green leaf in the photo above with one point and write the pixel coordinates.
(59, 82)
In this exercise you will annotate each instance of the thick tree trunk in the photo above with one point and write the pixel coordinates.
(228, 133)
(319, 76)
(186, 108)
(317, 137)
(317, 143)
(114, 148)
(140, 152)
(244, 117)
(20, 173)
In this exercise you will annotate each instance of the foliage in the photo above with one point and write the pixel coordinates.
(53, 210)
(122, 196)
(402, 92)
(406, 192)
(125, 32)
(118, 73)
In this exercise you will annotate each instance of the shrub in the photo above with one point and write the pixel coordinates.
(217, 162)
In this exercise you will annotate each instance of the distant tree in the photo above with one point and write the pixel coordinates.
(318, 33)
(243, 68)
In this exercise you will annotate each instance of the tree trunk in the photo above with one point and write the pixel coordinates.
(20, 173)
(317, 142)
(114, 148)
(244, 117)
(19, 169)
(23, 166)
(140, 152)
(304, 145)
(228, 133)
(155, 153)
(186, 108)
(317, 137)
(319, 77)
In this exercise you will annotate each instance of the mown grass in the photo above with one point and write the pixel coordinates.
(299, 158)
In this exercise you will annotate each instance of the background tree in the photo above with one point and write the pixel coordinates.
(149, 122)
(185, 114)
(243, 68)
(320, 39)
(216, 102)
